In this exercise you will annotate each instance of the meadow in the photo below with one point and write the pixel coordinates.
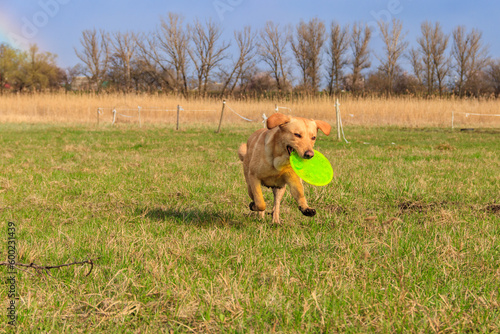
(406, 238)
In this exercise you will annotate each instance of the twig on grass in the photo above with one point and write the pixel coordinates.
(47, 268)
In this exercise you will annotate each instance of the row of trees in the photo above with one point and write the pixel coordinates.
(194, 59)
(28, 70)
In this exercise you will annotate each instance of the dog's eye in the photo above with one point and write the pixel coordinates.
(298, 135)
(313, 138)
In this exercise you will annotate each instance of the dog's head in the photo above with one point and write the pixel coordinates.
(297, 133)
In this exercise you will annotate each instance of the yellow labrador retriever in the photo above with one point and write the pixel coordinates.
(266, 160)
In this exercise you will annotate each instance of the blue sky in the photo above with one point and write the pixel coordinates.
(56, 25)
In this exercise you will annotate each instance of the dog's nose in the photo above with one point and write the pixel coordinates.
(308, 154)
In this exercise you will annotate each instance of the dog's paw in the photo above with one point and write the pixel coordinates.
(253, 207)
(276, 219)
(308, 212)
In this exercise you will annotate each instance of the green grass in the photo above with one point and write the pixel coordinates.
(406, 239)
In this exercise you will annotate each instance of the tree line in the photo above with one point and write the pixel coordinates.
(28, 70)
(193, 59)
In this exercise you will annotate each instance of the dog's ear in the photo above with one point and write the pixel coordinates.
(324, 126)
(277, 119)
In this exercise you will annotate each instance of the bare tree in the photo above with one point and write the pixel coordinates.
(433, 44)
(469, 55)
(360, 52)
(124, 47)
(273, 51)
(461, 55)
(336, 51)
(146, 75)
(247, 78)
(425, 48)
(174, 40)
(164, 55)
(95, 54)
(416, 64)
(245, 40)
(151, 61)
(300, 51)
(71, 73)
(394, 47)
(493, 72)
(307, 46)
(206, 52)
(440, 59)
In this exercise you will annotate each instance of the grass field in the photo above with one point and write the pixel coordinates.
(406, 239)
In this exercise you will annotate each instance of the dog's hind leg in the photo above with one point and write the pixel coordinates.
(278, 195)
(242, 151)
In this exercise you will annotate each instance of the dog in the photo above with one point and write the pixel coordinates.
(266, 160)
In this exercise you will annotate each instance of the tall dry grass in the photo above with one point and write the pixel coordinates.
(161, 109)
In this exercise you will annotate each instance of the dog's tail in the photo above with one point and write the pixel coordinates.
(242, 151)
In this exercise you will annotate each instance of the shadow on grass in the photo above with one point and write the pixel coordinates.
(193, 217)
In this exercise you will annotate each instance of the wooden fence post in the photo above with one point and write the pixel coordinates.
(139, 111)
(178, 110)
(221, 115)
(337, 111)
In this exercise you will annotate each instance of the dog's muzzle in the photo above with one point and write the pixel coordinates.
(308, 154)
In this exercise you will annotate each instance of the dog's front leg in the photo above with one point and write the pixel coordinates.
(258, 203)
(297, 190)
(278, 195)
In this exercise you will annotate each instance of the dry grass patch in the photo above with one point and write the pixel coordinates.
(162, 109)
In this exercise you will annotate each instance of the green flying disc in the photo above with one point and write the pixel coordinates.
(316, 171)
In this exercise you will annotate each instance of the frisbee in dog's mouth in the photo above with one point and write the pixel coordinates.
(290, 149)
(317, 170)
